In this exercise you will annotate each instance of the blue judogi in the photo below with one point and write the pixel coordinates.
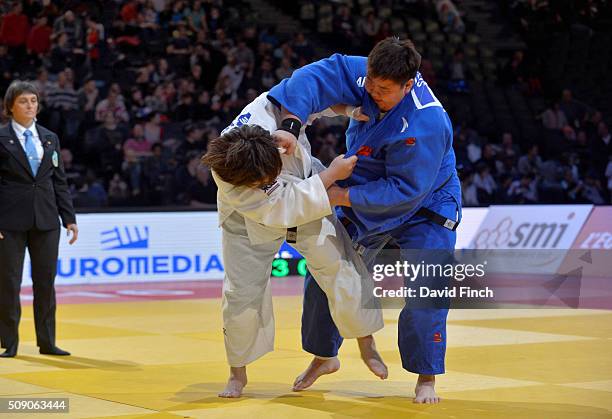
(406, 161)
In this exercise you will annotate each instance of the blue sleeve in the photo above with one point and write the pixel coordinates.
(321, 84)
(411, 171)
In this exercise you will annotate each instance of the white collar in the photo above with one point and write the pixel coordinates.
(20, 129)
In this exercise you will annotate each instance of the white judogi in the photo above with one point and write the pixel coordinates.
(255, 223)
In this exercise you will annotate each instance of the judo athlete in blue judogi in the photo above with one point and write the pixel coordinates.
(404, 190)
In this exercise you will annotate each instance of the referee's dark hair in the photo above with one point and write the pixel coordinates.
(394, 59)
(15, 89)
(245, 156)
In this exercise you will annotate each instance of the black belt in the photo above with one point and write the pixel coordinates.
(437, 218)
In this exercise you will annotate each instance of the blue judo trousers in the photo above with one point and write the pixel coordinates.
(421, 331)
(406, 162)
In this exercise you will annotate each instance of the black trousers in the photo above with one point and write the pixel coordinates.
(43, 248)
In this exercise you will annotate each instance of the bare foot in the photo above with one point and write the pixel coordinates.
(235, 383)
(371, 357)
(317, 368)
(425, 390)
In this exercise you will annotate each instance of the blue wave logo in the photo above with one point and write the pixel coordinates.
(243, 119)
(125, 238)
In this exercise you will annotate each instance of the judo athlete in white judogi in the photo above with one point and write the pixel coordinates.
(258, 209)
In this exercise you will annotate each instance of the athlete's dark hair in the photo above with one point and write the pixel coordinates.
(244, 156)
(394, 59)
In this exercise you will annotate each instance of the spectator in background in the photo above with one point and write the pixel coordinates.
(137, 105)
(523, 190)
(592, 191)
(302, 47)
(194, 143)
(14, 30)
(367, 28)
(179, 48)
(63, 103)
(591, 123)
(601, 148)
(185, 176)
(129, 11)
(508, 148)
(553, 117)
(507, 166)
(284, 70)
(72, 27)
(135, 151)
(551, 175)
(243, 55)
(569, 135)
(570, 186)
(94, 37)
(469, 190)
(265, 76)
(268, 36)
(113, 104)
(449, 16)
(62, 54)
(489, 157)
(108, 146)
(531, 162)
(202, 193)
(152, 128)
(581, 149)
(215, 20)
(39, 39)
(428, 73)
(502, 195)
(196, 16)
(574, 111)
(513, 72)
(233, 71)
(162, 72)
(118, 191)
(86, 195)
(485, 184)
(88, 97)
(7, 64)
(457, 72)
(157, 172)
(71, 169)
(384, 32)
(42, 82)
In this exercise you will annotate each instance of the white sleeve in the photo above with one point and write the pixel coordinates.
(327, 112)
(283, 204)
(317, 166)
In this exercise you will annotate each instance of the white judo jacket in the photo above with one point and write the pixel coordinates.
(295, 198)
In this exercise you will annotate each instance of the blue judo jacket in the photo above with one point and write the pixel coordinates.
(403, 157)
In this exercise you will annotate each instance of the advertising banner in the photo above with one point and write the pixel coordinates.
(592, 249)
(550, 229)
(169, 246)
(140, 247)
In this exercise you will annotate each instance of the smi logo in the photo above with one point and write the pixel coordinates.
(527, 235)
(125, 238)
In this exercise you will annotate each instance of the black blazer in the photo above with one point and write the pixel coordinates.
(28, 201)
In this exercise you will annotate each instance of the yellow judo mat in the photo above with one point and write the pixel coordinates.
(165, 359)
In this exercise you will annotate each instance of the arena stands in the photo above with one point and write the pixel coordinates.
(136, 88)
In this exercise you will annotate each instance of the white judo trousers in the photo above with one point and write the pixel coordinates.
(254, 223)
